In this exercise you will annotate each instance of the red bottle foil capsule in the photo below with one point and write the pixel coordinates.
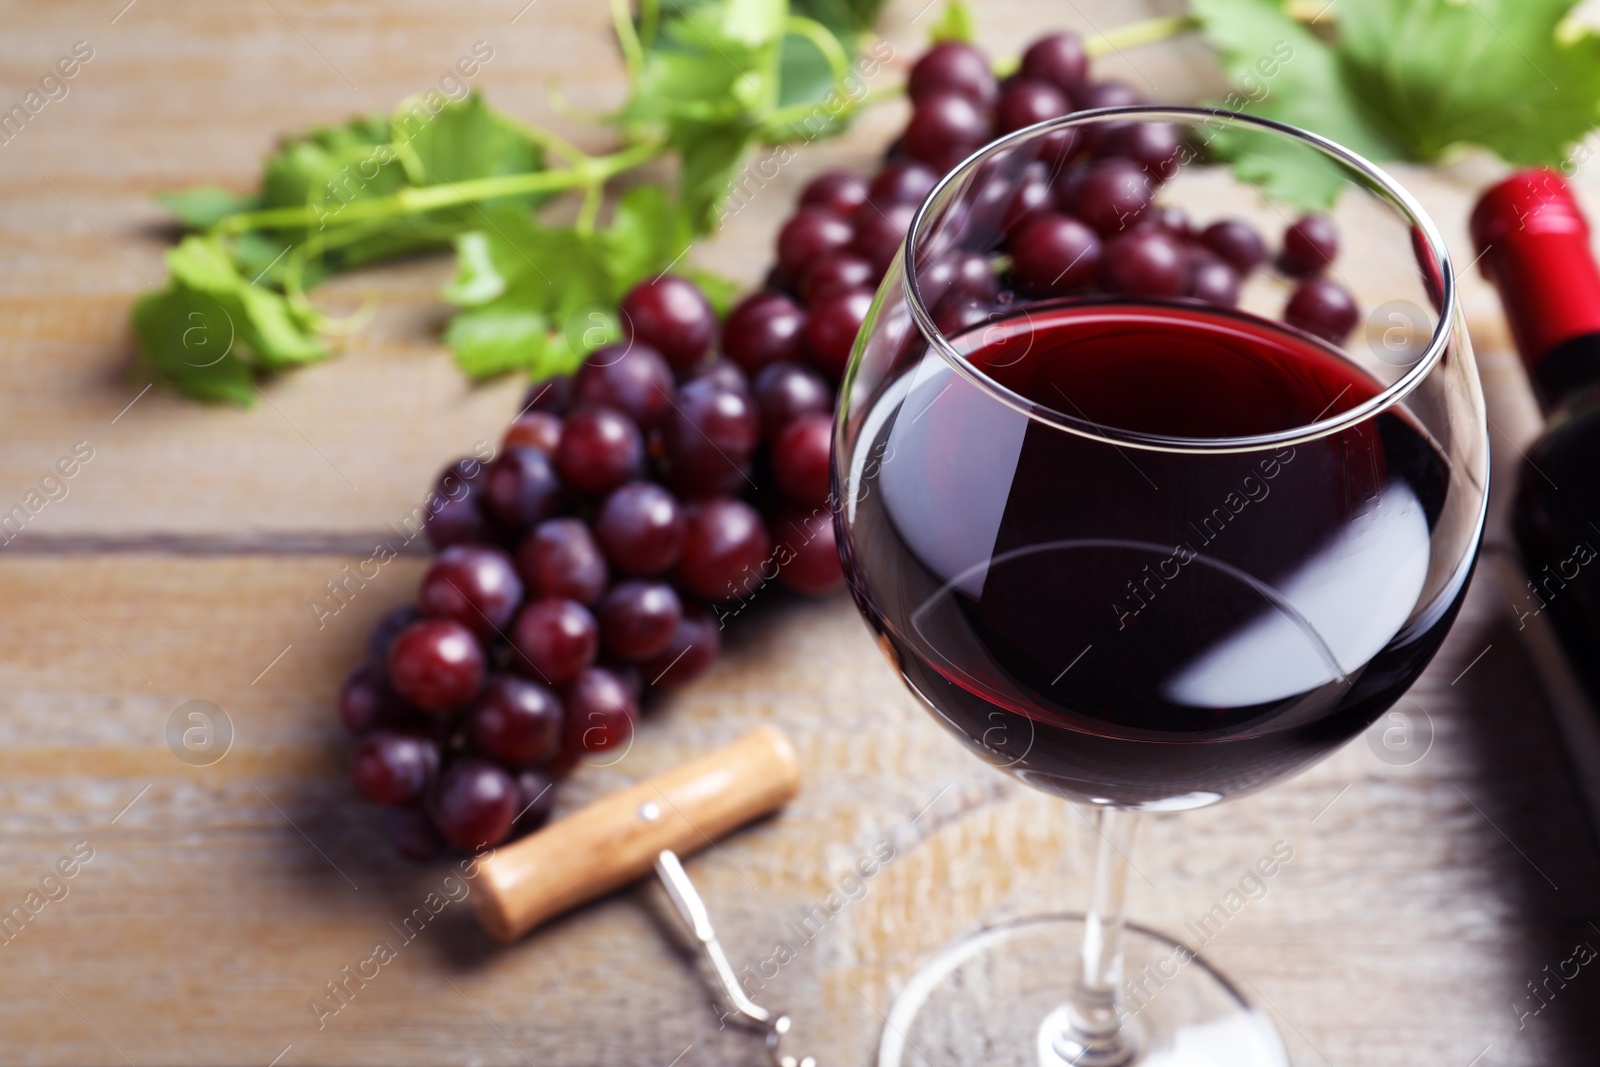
(1533, 245)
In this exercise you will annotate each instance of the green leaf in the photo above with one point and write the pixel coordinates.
(843, 17)
(209, 329)
(187, 338)
(1505, 74)
(1403, 80)
(495, 339)
(956, 24)
(647, 232)
(478, 279)
(203, 206)
(460, 141)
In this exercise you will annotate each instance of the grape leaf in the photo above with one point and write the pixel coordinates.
(540, 298)
(210, 328)
(1403, 80)
(1511, 75)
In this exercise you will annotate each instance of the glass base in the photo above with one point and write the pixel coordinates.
(995, 999)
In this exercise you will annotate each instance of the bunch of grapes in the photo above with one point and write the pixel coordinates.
(683, 467)
(1084, 216)
(576, 570)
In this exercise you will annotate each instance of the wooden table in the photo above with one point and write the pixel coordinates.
(219, 899)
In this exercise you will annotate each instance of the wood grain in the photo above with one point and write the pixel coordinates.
(221, 901)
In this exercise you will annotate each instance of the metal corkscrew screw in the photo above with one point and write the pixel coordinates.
(692, 909)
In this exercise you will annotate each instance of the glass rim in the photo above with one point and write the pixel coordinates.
(1387, 398)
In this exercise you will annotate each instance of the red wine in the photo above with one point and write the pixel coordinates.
(1146, 627)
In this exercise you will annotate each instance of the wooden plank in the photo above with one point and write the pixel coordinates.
(222, 899)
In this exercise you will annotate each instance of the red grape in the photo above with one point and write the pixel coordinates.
(723, 549)
(1027, 101)
(413, 834)
(837, 191)
(551, 395)
(1155, 146)
(1111, 195)
(436, 664)
(391, 769)
(1107, 94)
(812, 562)
(467, 473)
(965, 273)
(389, 628)
(905, 181)
(763, 329)
(836, 273)
(1212, 280)
(522, 487)
(633, 378)
(1144, 262)
(1031, 199)
(1309, 245)
(690, 653)
(957, 313)
(1237, 242)
(800, 459)
(953, 66)
(600, 449)
(710, 437)
(1101, 137)
(785, 392)
(560, 558)
(723, 373)
(601, 711)
(831, 330)
(641, 528)
(807, 237)
(1054, 254)
(671, 315)
(365, 700)
(1058, 59)
(879, 231)
(555, 639)
(473, 804)
(533, 429)
(1322, 307)
(945, 128)
(454, 522)
(638, 618)
(476, 585)
(536, 799)
(516, 722)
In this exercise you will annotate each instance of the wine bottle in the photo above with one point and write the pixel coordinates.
(1533, 244)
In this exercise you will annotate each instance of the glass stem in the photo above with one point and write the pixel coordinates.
(1094, 1034)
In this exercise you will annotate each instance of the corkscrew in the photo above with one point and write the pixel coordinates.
(621, 838)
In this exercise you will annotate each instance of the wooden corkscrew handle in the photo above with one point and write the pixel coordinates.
(616, 840)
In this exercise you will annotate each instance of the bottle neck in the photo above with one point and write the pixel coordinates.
(1533, 244)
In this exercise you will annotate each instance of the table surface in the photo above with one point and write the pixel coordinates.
(1421, 902)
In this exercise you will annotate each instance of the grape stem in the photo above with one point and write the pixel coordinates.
(592, 172)
(589, 174)
(1138, 34)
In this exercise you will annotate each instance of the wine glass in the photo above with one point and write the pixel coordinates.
(1136, 540)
